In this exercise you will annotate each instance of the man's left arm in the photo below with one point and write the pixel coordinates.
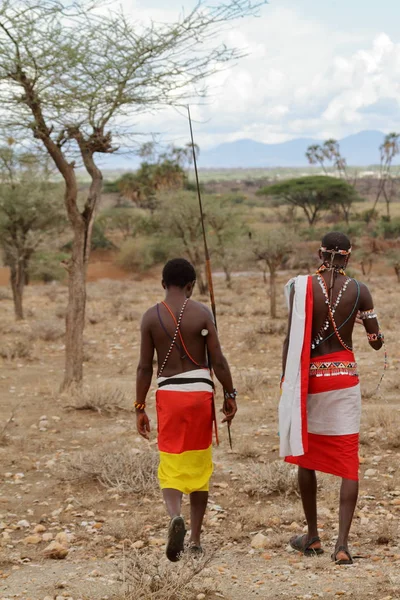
(144, 376)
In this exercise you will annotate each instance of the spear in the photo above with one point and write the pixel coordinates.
(207, 256)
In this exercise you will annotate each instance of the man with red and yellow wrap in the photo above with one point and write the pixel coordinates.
(183, 334)
(320, 407)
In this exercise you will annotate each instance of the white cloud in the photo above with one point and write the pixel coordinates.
(301, 78)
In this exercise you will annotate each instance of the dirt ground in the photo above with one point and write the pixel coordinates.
(51, 494)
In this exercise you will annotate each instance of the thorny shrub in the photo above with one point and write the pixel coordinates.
(104, 398)
(16, 349)
(252, 381)
(48, 331)
(116, 467)
(61, 311)
(383, 423)
(4, 295)
(131, 316)
(272, 478)
(145, 577)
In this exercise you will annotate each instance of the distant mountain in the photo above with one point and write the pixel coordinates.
(360, 149)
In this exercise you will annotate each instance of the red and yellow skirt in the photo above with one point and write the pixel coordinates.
(185, 421)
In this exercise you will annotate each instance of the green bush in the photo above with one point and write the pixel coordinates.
(140, 254)
(390, 230)
(99, 239)
(47, 267)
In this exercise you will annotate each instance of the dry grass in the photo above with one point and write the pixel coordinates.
(17, 348)
(252, 381)
(104, 398)
(244, 448)
(272, 328)
(5, 294)
(61, 311)
(52, 293)
(48, 331)
(116, 467)
(145, 577)
(131, 316)
(261, 332)
(124, 529)
(383, 423)
(273, 478)
(95, 317)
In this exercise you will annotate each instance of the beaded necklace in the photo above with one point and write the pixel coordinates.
(177, 332)
(319, 338)
(336, 269)
(331, 311)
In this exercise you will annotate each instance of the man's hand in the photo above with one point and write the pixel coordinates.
(229, 408)
(143, 424)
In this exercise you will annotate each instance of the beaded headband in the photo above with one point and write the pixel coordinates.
(333, 251)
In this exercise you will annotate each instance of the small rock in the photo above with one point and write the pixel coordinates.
(32, 539)
(200, 596)
(39, 529)
(138, 545)
(156, 541)
(23, 524)
(61, 585)
(259, 541)
(55, 550)
(62, 538)
(370, 472)
(47, 537)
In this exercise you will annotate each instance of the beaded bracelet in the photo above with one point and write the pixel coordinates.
(374, 337)
(232, 395)
(139, 406)
(367, 314)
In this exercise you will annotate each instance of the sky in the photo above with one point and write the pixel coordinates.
(315, 68)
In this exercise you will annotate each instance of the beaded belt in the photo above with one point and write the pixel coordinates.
(329, 369)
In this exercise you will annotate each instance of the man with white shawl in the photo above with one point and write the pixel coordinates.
(320, 407)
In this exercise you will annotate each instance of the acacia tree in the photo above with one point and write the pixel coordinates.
(69, 74)
(329, 151)
(313, 195)
(225, 233)
(271, 250)
(389, 149)
(29, 208)
(180, 219)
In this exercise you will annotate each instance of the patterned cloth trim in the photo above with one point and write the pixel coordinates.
(329, 369)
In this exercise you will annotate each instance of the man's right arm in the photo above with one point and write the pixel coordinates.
(369, 318)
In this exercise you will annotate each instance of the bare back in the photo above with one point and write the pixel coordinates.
(354, 296)
(189, 354)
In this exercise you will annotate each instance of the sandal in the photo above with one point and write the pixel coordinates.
(301, 544)
(195, 551)
(176, 537)
(342, 561)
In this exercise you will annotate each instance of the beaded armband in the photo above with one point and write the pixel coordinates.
(368, 314)
(139, 406)
(374, 337)
(232, 396)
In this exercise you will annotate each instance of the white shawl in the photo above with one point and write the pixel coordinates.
(290, 416)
